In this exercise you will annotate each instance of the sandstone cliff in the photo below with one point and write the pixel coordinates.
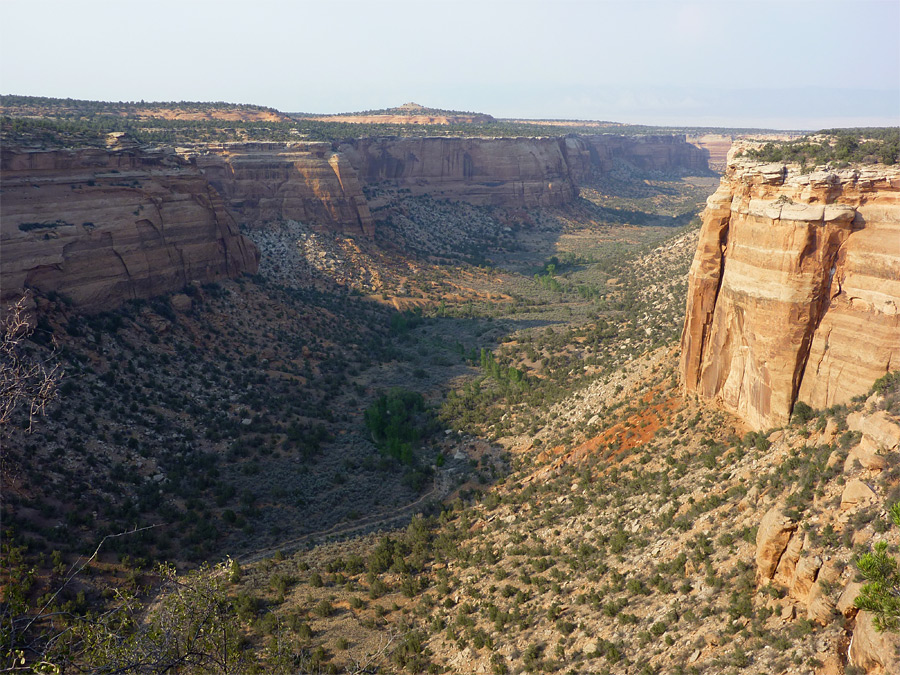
(296, 181)
(794, 292)
(511, 172)
(501, 171)
(717, 145)
(103, 226)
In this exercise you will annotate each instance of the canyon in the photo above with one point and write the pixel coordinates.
(101, 226)
(235, 412)
(794, 292)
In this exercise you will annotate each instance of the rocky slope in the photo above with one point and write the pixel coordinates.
(295, 181)
(794, 290)
(672, 545)
(103, 226)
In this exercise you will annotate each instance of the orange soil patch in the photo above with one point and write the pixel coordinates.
(638, 429)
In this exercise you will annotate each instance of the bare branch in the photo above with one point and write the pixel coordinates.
(23, 378)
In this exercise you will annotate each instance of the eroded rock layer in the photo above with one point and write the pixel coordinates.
(101, 226)
(511, 172)
(518, 172)
(104, 226)
(794, 292)
(307, 182)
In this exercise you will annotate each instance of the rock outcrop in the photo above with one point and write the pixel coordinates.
(104, 226)
(775, 531)
(794, 292)
(874, 652)
(306, 182)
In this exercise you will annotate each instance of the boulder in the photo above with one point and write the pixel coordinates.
(856, 493)
(845, 603)
(772, 537)
(804, 577)
(867, 454)
(876, 653)
(181, 303)
(784, 573)
(819, 606)
(882, 429)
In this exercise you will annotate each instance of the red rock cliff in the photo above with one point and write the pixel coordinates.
(794, 292)
(516, 172)
(104, 226)
(512, 172)
(296, 181)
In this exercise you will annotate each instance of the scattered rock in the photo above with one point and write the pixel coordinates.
(856, 493)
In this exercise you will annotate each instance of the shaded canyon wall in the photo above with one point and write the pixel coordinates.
(511, 172)
(105, 226)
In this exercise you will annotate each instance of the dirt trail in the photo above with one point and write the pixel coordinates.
(362, 526)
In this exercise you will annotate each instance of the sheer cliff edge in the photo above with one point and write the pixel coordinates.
(794, 291)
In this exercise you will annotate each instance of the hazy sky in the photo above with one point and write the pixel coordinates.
(778, 63)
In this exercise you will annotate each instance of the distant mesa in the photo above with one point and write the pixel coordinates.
(185, 111)
(408, 113)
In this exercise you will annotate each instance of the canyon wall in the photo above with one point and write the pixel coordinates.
(104, 226)
(511, 172)
(647, 153)
(287, 181)
(794, 291)
(101, 226)
(515, 172)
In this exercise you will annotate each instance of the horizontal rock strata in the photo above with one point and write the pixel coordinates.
(307, 182)
(104, 226)
(511, 172)
(794, 292)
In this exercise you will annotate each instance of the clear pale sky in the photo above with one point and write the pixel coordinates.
(779, 63)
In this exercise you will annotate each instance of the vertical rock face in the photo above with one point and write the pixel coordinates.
(520, 172)
(794, 292)
(648, 153)
(296, 181)
(512, 172)
(872, 651)
(104, 226)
